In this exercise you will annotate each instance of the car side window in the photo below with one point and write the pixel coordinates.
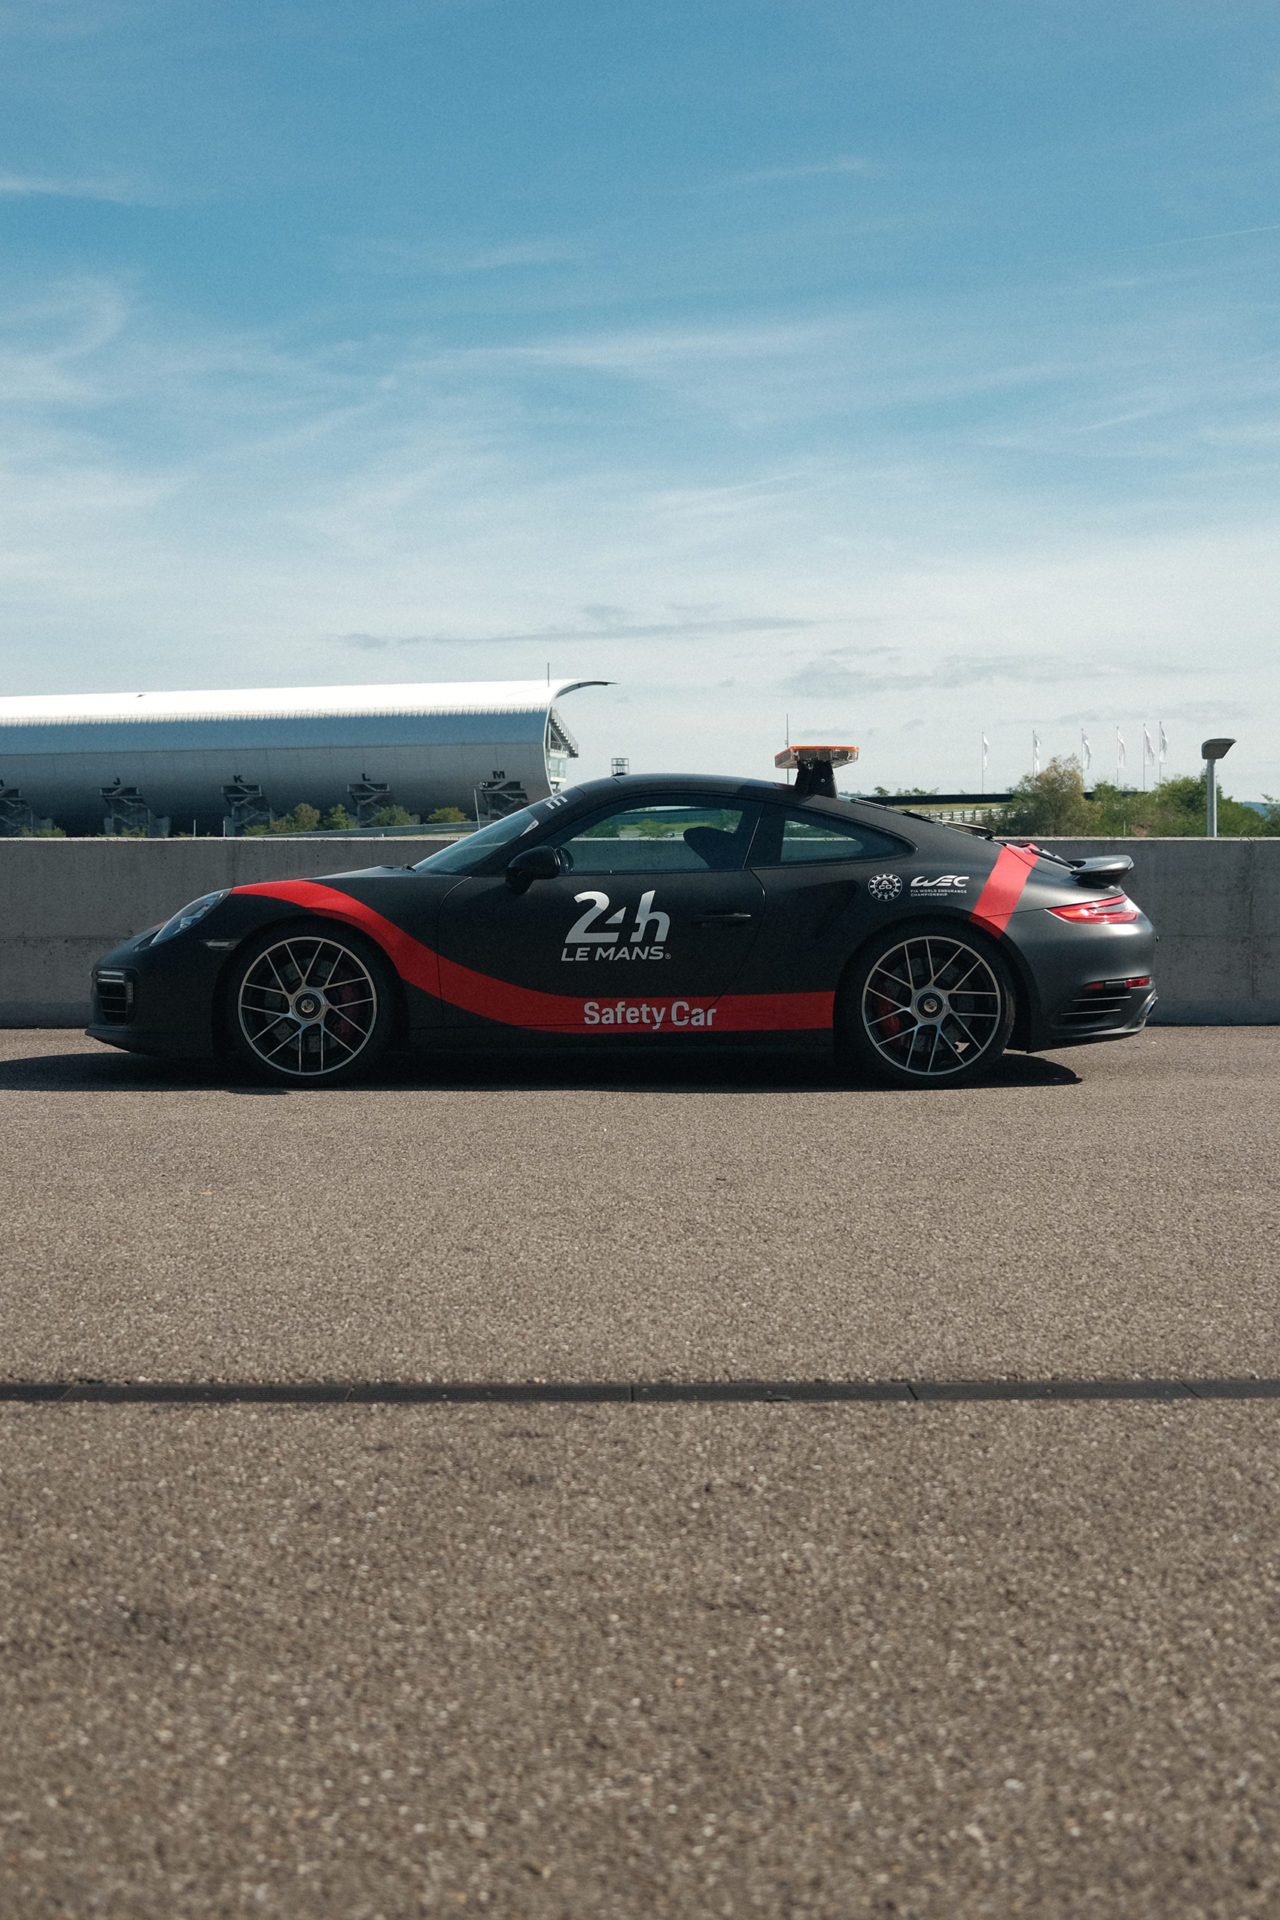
(660, 837)
(804, 838)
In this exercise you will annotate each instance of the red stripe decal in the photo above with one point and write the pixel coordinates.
(514, 1006)
(1004, 887)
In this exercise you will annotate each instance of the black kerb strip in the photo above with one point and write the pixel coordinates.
(611, 1392)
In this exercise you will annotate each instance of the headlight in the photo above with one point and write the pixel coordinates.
(187, 916)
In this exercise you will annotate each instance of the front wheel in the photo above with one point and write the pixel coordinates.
(308, 1006)
(926, 1007)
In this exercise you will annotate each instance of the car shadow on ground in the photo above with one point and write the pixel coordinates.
(100, 1071)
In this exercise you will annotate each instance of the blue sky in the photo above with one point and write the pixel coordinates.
(897, 371)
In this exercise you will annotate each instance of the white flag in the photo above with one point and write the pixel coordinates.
(986, 749)
(1164, 741)
(1086, 752)
(1148, 751)
(1121, 760)
(1035, 752)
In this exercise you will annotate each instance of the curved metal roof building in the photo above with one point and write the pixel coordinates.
(84, 760)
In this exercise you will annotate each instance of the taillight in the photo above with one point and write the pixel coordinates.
(1110, 909)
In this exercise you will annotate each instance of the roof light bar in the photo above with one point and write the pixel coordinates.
(814, 766)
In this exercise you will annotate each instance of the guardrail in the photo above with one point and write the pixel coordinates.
(1215, 904)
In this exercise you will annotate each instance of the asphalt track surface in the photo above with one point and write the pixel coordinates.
(319, 1654)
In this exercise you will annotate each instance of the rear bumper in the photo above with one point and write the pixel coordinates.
(1059, 1037)
(1075, 980)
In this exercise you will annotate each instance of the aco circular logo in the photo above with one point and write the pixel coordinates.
(884, 886)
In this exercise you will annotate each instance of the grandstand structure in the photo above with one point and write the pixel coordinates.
(222, 761)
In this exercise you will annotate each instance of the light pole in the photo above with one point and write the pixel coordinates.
(1213, 751)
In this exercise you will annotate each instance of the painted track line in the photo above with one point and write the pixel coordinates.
(615, 1392)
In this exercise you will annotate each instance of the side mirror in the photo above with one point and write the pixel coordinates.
(535, 863)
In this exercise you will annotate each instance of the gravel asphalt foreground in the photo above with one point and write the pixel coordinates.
(898, 1659)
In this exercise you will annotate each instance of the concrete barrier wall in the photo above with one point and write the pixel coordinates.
(1216, 908)
(63, 903)
(1215, 904)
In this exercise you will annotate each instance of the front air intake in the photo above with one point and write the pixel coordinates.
(114, 990)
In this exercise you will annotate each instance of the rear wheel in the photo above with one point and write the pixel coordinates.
(925, 1007)
(310, 1006)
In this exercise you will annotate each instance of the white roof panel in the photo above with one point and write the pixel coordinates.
(262, 703)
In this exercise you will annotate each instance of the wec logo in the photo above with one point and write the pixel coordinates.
(931, 885)
(594, 937)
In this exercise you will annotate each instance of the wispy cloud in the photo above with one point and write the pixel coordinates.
(803, 170)
(1199, 239)
(829, 678)
(606, 630)
(389, 508)
(455, 261)
(1198, 712)
(119, 190)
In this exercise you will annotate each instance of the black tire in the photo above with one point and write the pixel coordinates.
(310, 1005)
(928, 1004)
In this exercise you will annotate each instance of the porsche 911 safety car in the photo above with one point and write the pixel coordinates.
(649, 911)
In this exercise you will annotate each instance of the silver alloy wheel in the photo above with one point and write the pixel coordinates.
(307, 1006)
(932, 1006)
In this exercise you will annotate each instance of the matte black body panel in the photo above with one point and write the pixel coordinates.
(749, 956)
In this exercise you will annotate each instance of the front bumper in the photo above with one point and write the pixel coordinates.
(157, 1001)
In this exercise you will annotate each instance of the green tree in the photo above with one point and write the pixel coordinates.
(1054, 802)
(337, 820)
(1176, 810)
(303, 819)
(394, 817)
(42, 833)
(446, 817)
(1048, 802)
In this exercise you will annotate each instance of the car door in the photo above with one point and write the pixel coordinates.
(651, 920)
(828, 878)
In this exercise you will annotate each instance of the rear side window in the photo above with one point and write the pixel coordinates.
(789, 839)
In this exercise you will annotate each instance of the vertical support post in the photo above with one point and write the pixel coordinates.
(1213, 751)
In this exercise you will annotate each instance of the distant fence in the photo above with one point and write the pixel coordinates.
(1215, 904)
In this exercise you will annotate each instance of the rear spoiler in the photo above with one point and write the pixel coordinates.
(1099, 870)
(1102, 869)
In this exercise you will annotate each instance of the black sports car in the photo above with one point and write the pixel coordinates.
(648, 910)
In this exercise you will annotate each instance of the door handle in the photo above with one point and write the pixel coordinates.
(724, 919)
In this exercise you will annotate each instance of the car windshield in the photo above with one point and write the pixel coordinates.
(466, 854)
